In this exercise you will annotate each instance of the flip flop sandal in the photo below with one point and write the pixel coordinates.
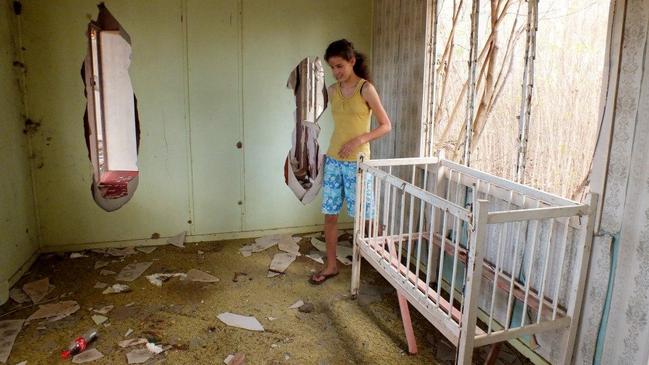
(324, 278)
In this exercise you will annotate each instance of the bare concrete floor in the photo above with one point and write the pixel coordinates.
(183, 315)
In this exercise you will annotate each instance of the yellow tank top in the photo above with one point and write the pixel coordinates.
(351, 119)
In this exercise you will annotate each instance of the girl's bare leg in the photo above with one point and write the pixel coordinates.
(331, 237)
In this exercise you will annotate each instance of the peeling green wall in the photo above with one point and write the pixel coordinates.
(207, 75)
(18, 233)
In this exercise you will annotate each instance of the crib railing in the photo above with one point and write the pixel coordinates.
(459, 243)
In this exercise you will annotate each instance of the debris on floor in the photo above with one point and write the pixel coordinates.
(133, 271)
(146, 249)
(153, 348)
(289, 244)
(121, 252)
(315, 256)
(297, 304)
(9, 329)
(117, 288)
(237, 275)
(19, 296)
(133, 342)
(107, 272)
(37, 290)
(159, 278)
(100, 263)
(100, 285)
(281, 261)
(128, 332)
(77, 255)
(55, 311)
(79, 344)
(306, 308)
(138, 356)
(235, 359)
(99, 319)
(87, 356)
(104, 310)
(178, 240)
(343, 251)
(237, 320)
(200, 276)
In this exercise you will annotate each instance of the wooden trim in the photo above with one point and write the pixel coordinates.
(190, 239)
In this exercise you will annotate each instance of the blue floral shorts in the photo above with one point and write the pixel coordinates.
(340, 183)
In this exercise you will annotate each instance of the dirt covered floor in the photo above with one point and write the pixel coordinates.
(181, 316)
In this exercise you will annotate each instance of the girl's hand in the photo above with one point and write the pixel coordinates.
(349, 147)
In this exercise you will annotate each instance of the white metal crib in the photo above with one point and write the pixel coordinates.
(461, 244)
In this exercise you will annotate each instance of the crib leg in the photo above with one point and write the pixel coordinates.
(407, 324)
(356, 271)
(493, 354)
(405, 311)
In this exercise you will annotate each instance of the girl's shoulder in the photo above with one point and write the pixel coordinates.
(366, 86)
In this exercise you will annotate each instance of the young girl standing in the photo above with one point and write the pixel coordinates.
(353, 99)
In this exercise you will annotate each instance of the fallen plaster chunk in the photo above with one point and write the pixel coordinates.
(159, 278)
(55, 310)
(18, 296)
(87, 356)
(100, 285)
(104, 310)
(9, 330)
(107, 272)
(138, 356)
(99, 319)
(344, 260)
(289, 244)
(77, 255)
(200, 276)
(121, 252)
(342, 251)
(272, 274)
(37, 290)
(271, 318)
(315, 257)
(246, 250)
(100, 263)
(132, 342)
(178, 240)
(235, 359)
(117, 288)
(297, 304)
(153, 348)
(128, 333)
(319, 245)
(133, 271)
(281, 261)
(237, 320)
(22, 363)
(146, 249)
